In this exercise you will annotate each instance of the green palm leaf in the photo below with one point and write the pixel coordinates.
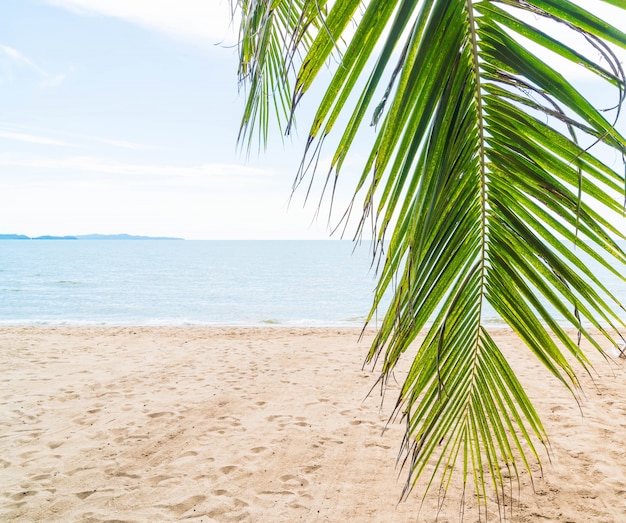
(484, 187)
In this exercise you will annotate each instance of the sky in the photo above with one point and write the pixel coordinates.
(121, 116)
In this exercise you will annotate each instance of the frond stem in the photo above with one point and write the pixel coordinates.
(481, 139)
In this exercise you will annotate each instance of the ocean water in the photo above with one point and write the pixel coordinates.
(112, 282)
(109, 282)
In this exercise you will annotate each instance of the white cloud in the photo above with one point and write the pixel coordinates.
(231, 177)
(122, 143)
(202, 22)
(21, 60)
(31, 138)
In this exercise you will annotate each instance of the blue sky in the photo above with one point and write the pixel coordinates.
(122, 116)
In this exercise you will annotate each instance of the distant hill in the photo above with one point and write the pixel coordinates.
(86, 237)
(122, 237)
(13, 237)
(48, 237)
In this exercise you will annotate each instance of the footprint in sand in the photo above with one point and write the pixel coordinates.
(24, 494)
(159, 414)
(273, 493)
(188, 457)
(41, 477)
(80, 470)
(227, 423)
(85, 494)
(155, 481)
(256, 452)
(324, 441)
(278, 417)
(291, 481)
(284, 420)
(379, 445)
(234, 510)
(180, 508)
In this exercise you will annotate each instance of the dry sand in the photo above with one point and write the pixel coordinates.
(257, 425)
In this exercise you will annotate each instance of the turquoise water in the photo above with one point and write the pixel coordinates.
(184, 282)
(190, 283)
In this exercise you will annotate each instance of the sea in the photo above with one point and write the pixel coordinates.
(178, 283)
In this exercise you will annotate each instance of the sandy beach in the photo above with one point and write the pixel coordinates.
(147, 424)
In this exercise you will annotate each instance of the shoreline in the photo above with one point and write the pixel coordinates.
(260, 424)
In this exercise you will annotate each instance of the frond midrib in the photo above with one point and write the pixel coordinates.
(480, 121)
(473, 41)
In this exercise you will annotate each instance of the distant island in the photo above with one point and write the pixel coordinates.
(86, 237)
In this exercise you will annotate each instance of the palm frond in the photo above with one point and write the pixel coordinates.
(486, 189)
(271, 35)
